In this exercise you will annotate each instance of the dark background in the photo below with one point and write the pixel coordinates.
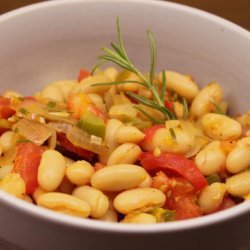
(237, 11)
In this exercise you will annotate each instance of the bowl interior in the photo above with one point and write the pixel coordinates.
(52, 41)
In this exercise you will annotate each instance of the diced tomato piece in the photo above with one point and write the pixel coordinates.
(26, 163)
(99, 165)
(83, 74)
(176, 164)
(83, 153)
(149, 133)
(176, 186)
(5, 110)
(184, 206)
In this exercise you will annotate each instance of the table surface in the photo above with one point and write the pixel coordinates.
(237, 11)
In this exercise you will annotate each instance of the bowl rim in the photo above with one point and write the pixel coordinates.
(50, 216)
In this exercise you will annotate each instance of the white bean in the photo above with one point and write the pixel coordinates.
(125, 153)
(64, 203)
(211, 158)
(118, 177)
(80, 172)
(51, 170)
(97, 200)
(239, 184)
(8, 140)
(238, 159)
(202, 102)
(211, 197)
(127, 133)
(139, 218)
(139, 199)
(220, 127)
(182, 85)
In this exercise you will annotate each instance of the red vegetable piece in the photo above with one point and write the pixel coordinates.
(83, 153)
(83, 74)
(26, 164)
(184, 206)
(176, 164)
(5, 110)
(149, 133)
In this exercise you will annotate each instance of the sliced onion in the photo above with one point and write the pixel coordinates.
(34, 131)
(82, 139)
(59, 127)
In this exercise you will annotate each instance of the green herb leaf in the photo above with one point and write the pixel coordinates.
(173, 135)
(51, 105)
(217, 107)
(153, 55)
(23, 111)
(185, 109)
(163, 86)
(156, 121)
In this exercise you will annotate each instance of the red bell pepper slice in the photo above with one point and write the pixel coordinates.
(83, 153)
(176, 164)
(26, 163)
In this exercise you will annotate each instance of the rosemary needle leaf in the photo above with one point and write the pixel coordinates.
(117, 49)
(163, 87)
(120, 38)
(185, 109)
(143, 100)
(153, 55)
(101, 62)
(116, 83)
(156, 121)
(217, 107)
(173, 135)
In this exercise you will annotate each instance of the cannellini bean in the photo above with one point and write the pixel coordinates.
(123, 112)
(244, 142)
(65, 87)
(118, 177)
(180, 144)
(98, 101)
(13, 184)
(64, 203)
(238, 159)
(202, 102)
(37, 193)
(125, 153)
(128, 76)
(52, 92)
(239, 184)
(139, 218)
(80, 172)
(147, 182)
(139, 199)
(111, 127)
(111, 73)
(5, 170)
(86, 85)
(97, 200)
(220, 127)
(11, 94)
(211, 197)
(51, 170)
(182, 85)
(110, 216)
(127, 133)
(211, 158)
(8, 140)
(28, 199)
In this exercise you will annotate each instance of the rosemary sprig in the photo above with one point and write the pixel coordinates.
(217, 107)
(117, 54)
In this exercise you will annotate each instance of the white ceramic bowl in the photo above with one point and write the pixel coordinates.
(53, 40)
